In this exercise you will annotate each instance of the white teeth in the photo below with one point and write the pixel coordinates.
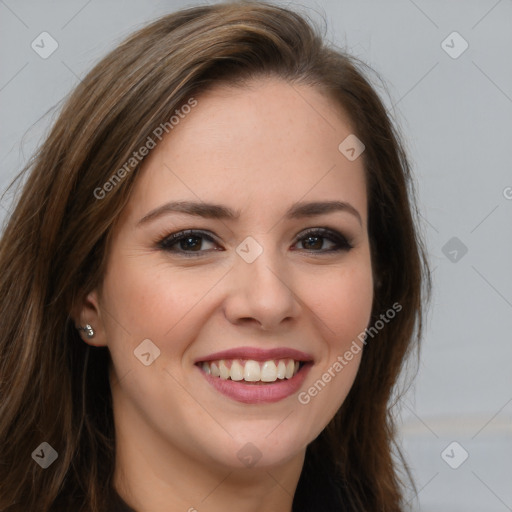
(215, 370)
(290, 366)
(281, 370)
(250, 370)
(268, 371)
(237, 371)
(224, 370)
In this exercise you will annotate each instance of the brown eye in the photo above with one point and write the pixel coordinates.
(187, 242)
(190, 243)
(316, 239)
(313, 242)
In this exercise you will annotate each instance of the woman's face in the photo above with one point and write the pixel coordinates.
(266, 275)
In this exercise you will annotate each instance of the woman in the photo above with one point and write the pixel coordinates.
(211, 280)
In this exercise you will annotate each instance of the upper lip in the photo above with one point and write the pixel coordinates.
(257, 354)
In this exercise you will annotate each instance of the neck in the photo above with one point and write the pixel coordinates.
(151, 475)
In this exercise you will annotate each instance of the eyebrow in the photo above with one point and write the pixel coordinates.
(216, 211)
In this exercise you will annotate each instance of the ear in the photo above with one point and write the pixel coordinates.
(88, 311)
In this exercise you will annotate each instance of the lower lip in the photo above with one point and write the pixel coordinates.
(259, 393)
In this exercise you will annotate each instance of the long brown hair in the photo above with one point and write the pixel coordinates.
(54, 387)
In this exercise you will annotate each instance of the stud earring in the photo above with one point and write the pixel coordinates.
(88, 330)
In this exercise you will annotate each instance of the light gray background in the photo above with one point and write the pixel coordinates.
(456, 117)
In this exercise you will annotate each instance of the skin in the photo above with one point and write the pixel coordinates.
(257, 149)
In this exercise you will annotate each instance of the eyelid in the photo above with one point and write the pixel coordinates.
(170, 239)
(329, 233)
(344, 243)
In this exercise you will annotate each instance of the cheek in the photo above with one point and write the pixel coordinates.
(343, 303)
(151, 300)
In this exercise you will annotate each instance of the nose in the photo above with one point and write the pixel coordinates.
(261, 293)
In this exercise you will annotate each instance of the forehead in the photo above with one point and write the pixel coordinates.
(269, 143)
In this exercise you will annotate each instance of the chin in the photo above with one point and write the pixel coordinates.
(266, 446)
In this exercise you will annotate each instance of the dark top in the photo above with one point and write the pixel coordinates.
(304, 500)
(319, 488)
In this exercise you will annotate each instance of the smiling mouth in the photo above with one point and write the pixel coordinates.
(250, 371)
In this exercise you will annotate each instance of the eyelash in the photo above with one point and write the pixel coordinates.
(169, 241)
